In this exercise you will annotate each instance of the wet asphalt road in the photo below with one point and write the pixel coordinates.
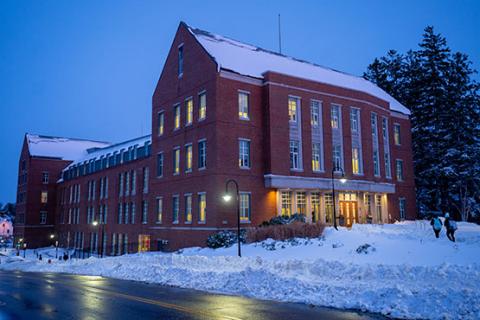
(61, 296)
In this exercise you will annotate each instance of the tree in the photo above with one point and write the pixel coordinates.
(438, 88)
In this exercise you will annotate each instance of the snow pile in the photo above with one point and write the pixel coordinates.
(404, 271)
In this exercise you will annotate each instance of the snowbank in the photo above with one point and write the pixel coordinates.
(404, 271)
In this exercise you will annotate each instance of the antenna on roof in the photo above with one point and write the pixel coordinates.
(279, 36)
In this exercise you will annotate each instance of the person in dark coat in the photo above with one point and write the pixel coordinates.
(436, 223)
(451, 226)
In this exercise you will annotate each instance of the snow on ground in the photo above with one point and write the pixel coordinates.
(401, 270)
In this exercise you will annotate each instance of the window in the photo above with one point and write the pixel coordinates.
(188, 158)
(388, 170)
(328, 208)
(188, 208)
(315, 200)
(316, 157)
(301, 203)
(126, 215)
(43, 217)
(401, 205)
(378, 207)
(376, 164)
(286, 203)
(175, 208)
(245, 204)
(145, 179)
(160, 164)
(202, 108)
(243, 107)
(189, 109)
(202, 207)
(396, 134)
(293, 109)
(399, 169)
(337, 156)
(180, 60)
(161, 123)
(120, 187)
(335, 116)
(44, 197)
(354, 119)
(176, 118)
(315, 113)
(45, 177)
(386, 148)
(132, 209)
(176, 160)
(376, 159)
(134, 182)
(244, 153)
(144, 211)
(202, 154)
(120, 213)
(294, 155)
(356, 162)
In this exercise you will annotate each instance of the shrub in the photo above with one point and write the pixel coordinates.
(294, 229)
(281, 220)
(224, 239)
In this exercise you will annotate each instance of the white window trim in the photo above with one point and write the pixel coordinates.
(250, 208)
(249, 153)
(198, 95)
(198, 141)
(320, 118)
(199, 221)
(399, 134)
(187, 124)
(248, 105)
(185, 147)
(175, 115)
(162, 111)
(176, 195)
(156, 163)
(191, 204)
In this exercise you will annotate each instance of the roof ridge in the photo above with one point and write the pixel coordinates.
(73, 139)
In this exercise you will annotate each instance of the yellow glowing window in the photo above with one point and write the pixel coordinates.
(292, 109)
(44, 197)
(202, 110)
(355, 160)
(316, 160)
(243, 107)
(188, 158)
(161, 123)
(188, 208)
(177, 117)
(202, 206)
(176, 161)
(189, 107)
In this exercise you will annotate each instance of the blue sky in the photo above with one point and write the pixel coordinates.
(87, 69)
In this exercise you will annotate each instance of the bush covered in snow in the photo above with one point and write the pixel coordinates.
(224, 239)
(285, 231)
(365, 249)
(284, 219)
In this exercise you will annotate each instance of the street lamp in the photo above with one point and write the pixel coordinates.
(52, 236)
(342, 180)
(227, 197)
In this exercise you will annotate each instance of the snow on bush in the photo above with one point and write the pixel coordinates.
(224, 239)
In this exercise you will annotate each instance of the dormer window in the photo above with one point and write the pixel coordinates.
(180, 60)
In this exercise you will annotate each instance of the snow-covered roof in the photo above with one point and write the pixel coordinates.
(253, 61)
(111, 149)
(62, 148)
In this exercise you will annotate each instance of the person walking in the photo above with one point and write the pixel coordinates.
(451, 226)
(436, 223)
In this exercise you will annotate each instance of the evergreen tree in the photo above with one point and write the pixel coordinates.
(438, 88)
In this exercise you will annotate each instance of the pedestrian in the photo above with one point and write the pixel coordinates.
(436, 223)
(40, 257)
(451, 226)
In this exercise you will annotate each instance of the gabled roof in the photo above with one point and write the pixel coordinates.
(253, 61)
(61, 148)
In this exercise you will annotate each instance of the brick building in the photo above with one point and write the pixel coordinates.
(224, 110)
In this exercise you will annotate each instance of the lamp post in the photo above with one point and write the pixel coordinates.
(24, 249)
(52, 236)
(342, 180)
(227, 197)
(96, 223)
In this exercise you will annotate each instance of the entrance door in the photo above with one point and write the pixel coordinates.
(349, 210)
(143, 242)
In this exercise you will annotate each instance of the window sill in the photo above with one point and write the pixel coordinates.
(188, 171)
(188, 222)
(202, 119)
(158, 222)
(243, 119)
(245, 222)
(245, 168)
(296, 170)
(188, 124)
(175, 222)
(201, 222)
(202, 168)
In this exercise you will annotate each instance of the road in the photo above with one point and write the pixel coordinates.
(62, 296)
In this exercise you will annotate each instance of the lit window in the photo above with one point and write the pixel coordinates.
(243, 106)
(188, 158)
(176, 111)
(315, 113)
(396, 134)
(316, 157)
(294, 155)
(189, 109)
(44, 197)
(176, 161)
(301, 203)
(202, 154)
(161, 123)
(292, 109)
(202, 109)
(399, 169)
(180, 60)
(335, 116)
(202, 207)
(356, 162)
(286, 203)
(188, 208)
(175, 208)
(244, 153)
(245, 203)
